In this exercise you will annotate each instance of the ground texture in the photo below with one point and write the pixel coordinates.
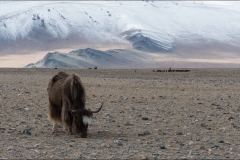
(145, 115)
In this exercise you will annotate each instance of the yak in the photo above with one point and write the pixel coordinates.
(67, 99)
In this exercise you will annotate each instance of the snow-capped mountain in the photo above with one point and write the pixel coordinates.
(90, 58)
(149, 26)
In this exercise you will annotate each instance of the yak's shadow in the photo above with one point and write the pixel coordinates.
(103, 135)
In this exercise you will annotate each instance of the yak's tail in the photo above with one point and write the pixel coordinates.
(78, 90)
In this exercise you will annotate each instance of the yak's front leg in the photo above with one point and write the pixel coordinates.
(70, 131)
(67, 129)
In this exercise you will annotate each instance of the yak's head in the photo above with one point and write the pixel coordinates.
(81, 119)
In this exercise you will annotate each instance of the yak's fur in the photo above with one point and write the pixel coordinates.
(67, 93)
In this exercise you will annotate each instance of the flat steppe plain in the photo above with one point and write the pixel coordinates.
(146, 115)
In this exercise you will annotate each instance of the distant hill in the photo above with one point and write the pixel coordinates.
(90, 58)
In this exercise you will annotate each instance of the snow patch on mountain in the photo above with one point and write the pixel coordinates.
(158, 23)
(149, 41)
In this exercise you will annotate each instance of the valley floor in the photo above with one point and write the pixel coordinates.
(146, 114)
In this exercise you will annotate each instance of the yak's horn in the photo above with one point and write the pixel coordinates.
(96, 111)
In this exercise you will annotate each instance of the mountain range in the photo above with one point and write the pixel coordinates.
(132, 33)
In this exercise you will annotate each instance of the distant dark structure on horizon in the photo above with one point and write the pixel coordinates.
(170, 70)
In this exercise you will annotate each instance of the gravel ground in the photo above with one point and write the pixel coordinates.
(146, 115)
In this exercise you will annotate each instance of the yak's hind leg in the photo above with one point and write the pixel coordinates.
(55, 127)
(53, 117)
(66, 117)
